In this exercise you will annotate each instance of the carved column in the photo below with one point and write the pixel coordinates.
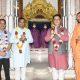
(71, 24)
(20, 10)
(60, 6)
(9, 15)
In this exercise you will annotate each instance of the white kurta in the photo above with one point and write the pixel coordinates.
(21, 59)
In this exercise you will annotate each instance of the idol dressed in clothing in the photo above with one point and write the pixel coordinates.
(36, 35)
(44, 44)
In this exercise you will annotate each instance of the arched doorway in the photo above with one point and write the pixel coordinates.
(40, 13)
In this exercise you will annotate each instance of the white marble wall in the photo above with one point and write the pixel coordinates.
(73, 8)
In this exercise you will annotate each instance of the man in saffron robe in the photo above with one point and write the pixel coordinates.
(75, 44)
(57, 37)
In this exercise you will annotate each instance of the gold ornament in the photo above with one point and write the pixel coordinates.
(39, 8)
(20, 45)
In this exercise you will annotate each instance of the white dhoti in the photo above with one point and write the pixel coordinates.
(20, 74)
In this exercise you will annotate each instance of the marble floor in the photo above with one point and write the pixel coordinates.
(39, 68)
(40, 71)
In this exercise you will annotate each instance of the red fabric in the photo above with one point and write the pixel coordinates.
(58, 61)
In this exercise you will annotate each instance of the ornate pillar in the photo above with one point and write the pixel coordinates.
(9, 15)
(73, 8)
(10, 22)
(20, 6)
(71, 24)
(64, 10)
(60, 6)
(2, 8)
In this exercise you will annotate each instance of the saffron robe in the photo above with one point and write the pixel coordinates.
(75, 44)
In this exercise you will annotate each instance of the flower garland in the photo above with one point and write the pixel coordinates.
(55, 43)
(20, 43)
(4, 40)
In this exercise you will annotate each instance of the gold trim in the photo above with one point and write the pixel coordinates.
(39, 7)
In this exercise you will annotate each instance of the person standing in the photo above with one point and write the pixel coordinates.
(75, 44)
(20, 39)
(57, 37)
(4, 49)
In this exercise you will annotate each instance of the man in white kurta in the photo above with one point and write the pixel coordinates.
(20, 39)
